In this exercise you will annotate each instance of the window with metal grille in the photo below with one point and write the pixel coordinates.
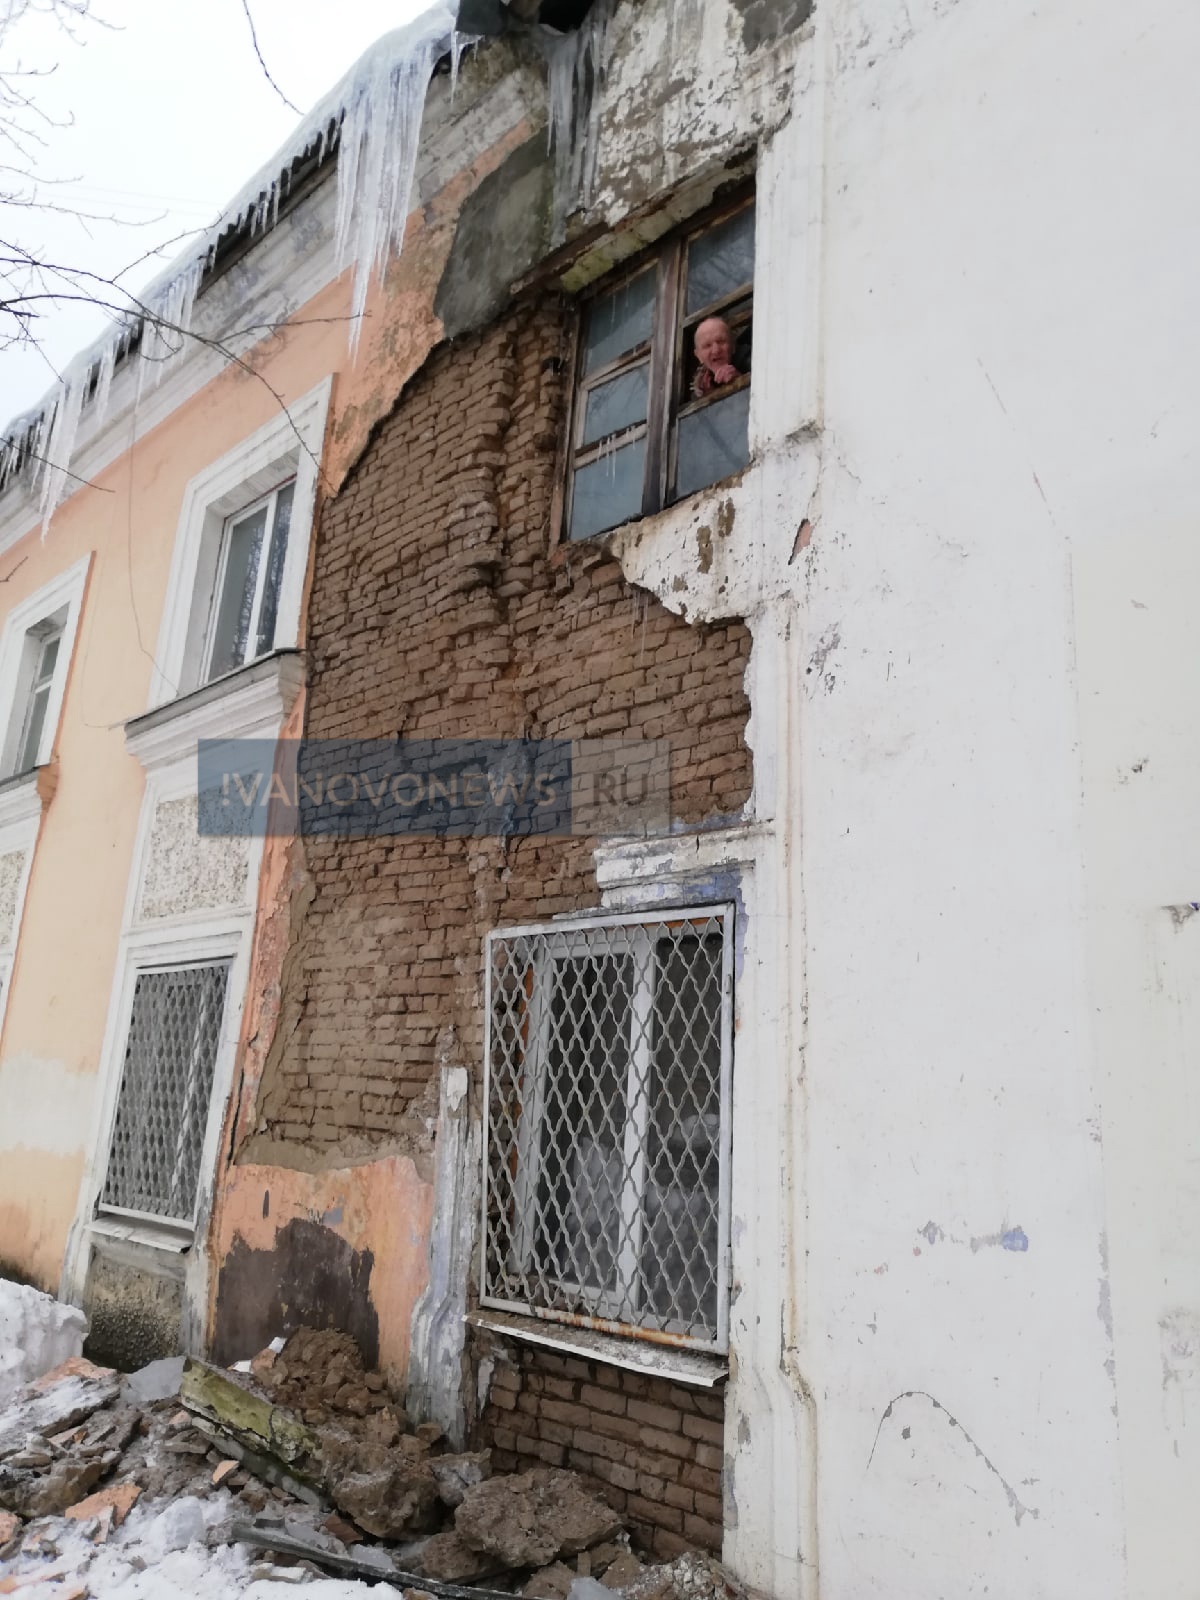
(651, 422)
(609, 1078)
(166, 1088)
(249, 571)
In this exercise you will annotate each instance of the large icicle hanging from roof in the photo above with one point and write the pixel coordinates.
(377, 158)
(577, 62)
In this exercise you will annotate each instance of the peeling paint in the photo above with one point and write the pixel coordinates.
(1007, 1239)
(704, 545)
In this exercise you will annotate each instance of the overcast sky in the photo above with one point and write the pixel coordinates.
(171, 115)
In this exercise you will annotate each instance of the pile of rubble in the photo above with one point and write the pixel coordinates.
(297, 1464)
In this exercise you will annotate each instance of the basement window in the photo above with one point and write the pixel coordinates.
(609, 1081)
(651, 422)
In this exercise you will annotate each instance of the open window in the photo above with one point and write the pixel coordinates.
(43, 643)
(35, 656)
(245, 596)
(609, 1078)
(651, 420)
(236, 584)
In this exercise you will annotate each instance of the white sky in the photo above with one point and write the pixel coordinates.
(171, 115)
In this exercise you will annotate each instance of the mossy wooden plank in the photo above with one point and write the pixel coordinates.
(247, 1416)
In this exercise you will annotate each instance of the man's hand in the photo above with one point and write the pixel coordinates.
(725, 372)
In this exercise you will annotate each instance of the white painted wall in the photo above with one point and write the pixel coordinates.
(977, 737)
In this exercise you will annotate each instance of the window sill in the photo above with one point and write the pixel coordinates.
(175, 1237)
(655, 1360)
(22, 796)
(596, 547)
(246, 704)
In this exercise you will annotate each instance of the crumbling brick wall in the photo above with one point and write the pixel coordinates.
(652, 1447)
(439, 610)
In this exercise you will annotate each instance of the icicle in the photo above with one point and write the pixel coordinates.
(459, 44)
(60, 446)
(577, 63)
(381, 127)
(104, 378)
(164, 331)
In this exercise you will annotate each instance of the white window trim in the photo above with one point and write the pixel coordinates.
(223, 938)
(248, 704)
(65, 591)
(123, 1214)
(291, 444)
(270, 503)
(528, 1172)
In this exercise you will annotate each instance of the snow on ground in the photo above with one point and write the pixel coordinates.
(159, 1554)
(36, 1334)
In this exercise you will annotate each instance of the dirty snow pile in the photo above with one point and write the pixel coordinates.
(36, 1333)
(297, 1467)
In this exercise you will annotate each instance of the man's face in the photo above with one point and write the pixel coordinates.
(714, 343)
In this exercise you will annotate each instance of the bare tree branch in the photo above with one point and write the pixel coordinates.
(263, 64)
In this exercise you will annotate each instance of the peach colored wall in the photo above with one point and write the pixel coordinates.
(64, 968)
(383, 1207)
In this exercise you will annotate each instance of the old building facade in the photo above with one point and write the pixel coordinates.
(811, 1168)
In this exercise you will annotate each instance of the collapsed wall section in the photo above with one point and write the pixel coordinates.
(655, 1445)
(442, 608)
(438, 611)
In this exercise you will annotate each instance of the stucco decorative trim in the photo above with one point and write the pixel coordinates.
(627, 863)
(18, 837)
(20, 799)
(247, 704)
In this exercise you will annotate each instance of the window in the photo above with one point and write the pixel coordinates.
(35, 654)
(246, 593)
(166, 1088)
(236, 586)
(42, 646)
(607, 1138)
(651, 422)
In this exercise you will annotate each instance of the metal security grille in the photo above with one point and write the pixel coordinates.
(166, 1086)
(609, 1061)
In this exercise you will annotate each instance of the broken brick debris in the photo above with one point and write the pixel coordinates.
(532, 1518)
(330, 1473)
(120, 1499)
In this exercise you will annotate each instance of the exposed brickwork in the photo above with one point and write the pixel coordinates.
(438, 611)
(651, 1447)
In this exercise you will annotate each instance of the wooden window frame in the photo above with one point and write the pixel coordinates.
(665, 352)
